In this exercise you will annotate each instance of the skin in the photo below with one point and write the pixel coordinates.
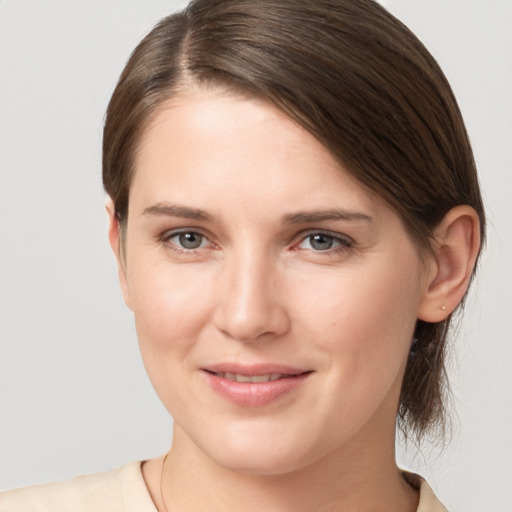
(260, 289)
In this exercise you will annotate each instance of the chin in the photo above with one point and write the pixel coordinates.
(263, 464)
(260, 455)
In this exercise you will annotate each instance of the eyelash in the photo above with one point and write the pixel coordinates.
(169, 235)
(341, 243)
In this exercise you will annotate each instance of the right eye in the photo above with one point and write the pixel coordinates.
(187, 240)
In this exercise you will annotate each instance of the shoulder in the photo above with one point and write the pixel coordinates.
(428, 500)
(120, 490)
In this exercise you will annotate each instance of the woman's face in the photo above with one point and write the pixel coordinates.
(275, 298)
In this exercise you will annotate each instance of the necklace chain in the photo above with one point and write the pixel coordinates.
(161, 485)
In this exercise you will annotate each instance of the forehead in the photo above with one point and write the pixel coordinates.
(218, 143)
(210, 113)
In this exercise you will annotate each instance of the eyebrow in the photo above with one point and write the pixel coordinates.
(301, 217)
(323, 215)
(174, 210)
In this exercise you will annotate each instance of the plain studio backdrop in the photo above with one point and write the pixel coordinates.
(74, 397)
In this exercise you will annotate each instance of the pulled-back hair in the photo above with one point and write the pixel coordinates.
(354, 77)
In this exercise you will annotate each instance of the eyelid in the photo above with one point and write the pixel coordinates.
(332, 234)
(172, 231)
(344, 242)
(167, 235)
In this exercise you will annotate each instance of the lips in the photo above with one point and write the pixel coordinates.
(255, 385)
(239, 377)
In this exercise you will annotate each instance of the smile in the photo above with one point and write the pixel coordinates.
(238, 377)
(255, 386)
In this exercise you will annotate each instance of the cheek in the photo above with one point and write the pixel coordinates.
(365, 320)
(362, 328)
(170, 305)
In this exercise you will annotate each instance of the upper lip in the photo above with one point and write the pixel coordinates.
(254, 369)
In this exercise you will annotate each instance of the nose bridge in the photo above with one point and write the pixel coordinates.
(248, 306)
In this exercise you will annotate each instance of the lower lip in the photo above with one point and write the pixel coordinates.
(254, 394)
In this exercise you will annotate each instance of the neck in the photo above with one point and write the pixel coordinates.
(363, 477)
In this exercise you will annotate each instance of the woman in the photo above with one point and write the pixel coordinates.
(296, 215)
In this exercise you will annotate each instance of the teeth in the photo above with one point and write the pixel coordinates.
(249, 378)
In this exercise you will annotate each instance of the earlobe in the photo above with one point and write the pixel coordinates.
(457, 242)
(114, 237)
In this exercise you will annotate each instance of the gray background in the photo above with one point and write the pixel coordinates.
(74, 397)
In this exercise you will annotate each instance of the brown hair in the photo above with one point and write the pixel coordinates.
(353, 76)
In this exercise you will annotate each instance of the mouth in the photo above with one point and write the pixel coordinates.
(239, 377)
(252, 386)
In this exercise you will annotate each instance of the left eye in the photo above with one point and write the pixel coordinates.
(188, 240)
(323, 242)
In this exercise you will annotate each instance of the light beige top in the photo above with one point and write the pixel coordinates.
(120, 490)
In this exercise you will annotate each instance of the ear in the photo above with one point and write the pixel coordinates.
(457, 242)
(115, 243)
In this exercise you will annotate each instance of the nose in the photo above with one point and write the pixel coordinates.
(251, 304)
